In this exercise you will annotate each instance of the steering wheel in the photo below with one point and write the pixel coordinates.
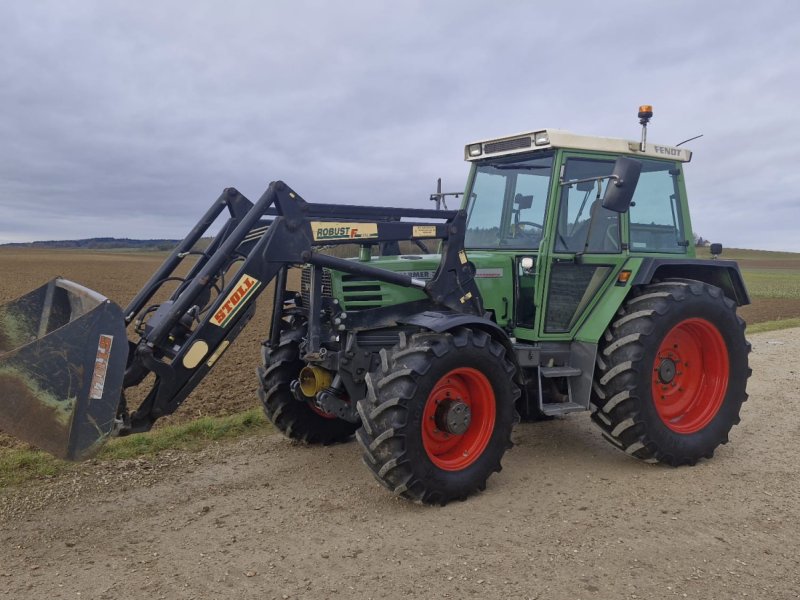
(531, 224)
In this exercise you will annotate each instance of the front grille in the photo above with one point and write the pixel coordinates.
(504, 145)
(359, 292)
(305, 284)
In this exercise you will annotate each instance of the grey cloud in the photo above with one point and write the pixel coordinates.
(128, 119)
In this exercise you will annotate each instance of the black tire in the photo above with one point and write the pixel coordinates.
(398, 393)
(295, 419)
(629, 382)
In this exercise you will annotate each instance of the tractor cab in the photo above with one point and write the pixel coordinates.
(567, 212)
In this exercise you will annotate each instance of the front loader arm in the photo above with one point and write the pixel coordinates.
(65, 357)
(185, 336)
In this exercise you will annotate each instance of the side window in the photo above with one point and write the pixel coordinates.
(583, 224)
(655, 215)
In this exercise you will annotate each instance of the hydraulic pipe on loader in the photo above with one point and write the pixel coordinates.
(226, 199)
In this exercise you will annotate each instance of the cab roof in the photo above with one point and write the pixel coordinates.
(557, 138)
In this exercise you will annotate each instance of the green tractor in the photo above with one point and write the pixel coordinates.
(567, 281)
(594, 304)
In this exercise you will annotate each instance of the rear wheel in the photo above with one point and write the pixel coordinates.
(438, 415)
(672, 373)
(297, 420)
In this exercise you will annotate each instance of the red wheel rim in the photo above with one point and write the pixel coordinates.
(450, 451)
(690, 375)
(316, 409)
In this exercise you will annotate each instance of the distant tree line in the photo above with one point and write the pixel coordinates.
(100, 243)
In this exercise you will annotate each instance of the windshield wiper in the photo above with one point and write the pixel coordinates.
(520, 167)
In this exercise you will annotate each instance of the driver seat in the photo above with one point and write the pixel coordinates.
(605, 233)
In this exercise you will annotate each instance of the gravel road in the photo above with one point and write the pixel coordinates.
(569, 517)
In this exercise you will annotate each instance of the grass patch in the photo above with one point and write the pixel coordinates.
(18, 465)
(772, 283)
(773, 325)
(186, 436)
(745, 254)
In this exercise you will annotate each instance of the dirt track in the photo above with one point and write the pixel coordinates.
(569, 517)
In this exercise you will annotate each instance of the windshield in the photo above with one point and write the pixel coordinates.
(506, 205)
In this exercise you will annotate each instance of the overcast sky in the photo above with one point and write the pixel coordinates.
(127, 119)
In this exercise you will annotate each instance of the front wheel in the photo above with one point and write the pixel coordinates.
(438, 415)
(672, 373)
(301, 421)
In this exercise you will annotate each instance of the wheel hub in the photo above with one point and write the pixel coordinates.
(458, 419)
(690, 375)
(666, 370)
(453, 416)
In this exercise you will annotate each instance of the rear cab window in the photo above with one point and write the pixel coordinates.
(656, 224)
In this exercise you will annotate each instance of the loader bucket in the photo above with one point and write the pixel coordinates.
(63, 351)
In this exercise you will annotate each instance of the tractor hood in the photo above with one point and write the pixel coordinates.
(493, 273)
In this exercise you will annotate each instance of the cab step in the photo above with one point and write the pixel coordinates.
(567, 371)
(561, 408)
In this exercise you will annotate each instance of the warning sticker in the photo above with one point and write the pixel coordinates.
(423, 231)
(101, 367)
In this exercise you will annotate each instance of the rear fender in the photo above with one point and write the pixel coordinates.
(724, 274)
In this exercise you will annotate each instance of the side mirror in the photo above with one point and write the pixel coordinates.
(622, 185)
(524, 202)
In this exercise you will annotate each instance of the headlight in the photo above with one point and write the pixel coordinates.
(540, 138)
(474, 150)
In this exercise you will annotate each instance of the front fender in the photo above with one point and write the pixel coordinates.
(441, 322)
